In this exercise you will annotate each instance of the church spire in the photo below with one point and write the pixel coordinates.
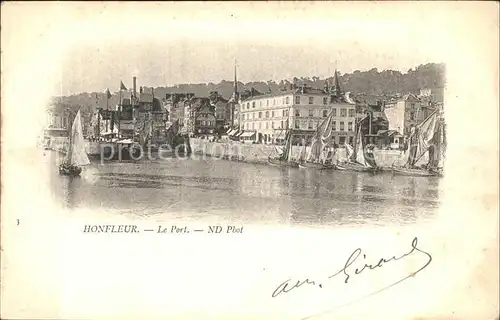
(235, 97)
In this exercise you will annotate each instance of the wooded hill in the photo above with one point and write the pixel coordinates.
(371, 82)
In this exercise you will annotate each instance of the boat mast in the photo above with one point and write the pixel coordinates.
(133, 107)
(107, 108)
(98, 125)
(119, 114)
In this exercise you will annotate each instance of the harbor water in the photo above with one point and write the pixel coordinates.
(210, 188)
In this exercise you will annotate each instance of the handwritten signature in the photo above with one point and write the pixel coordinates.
(347, 271)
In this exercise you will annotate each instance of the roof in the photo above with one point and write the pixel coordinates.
(298, 91)
(388, 133)
(248, 134)
(409, 96)
(146, 97)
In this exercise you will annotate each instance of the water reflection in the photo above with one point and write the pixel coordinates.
(246, 192)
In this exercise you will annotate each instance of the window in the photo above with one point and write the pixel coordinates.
(311, 100)
(349, 126)
(325, 100)
(334, 125)
(260, 115)
(297, 126)
(267, 125)
(267, 103)
(253, 104)
(351, 112)
(343, 112)
(260, 125)
(342, 128)
(412, 115)
(282, 124)
(310, 125)
(287, 100)
(243, 116)
(334, 112)
(283, 113)
(297, 112)
(272, 124)
(297, 99)
(325, 113)
(267, 114)
(272, 114)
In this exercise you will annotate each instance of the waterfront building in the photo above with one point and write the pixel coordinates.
(192, 107)
(205, 120)
(176, 104)
(406, 112)
(264, 118)
(200, 115)
(55, 117)
(151, 117)
(222, 110)
(434, 95)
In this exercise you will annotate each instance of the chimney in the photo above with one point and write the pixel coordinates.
(134, 79)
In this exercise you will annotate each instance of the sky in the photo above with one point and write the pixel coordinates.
(62, 48)
(91, 47)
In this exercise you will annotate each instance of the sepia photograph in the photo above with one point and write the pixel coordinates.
(249, 160)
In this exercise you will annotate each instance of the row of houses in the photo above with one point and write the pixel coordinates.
(251, 116)
(255, 117)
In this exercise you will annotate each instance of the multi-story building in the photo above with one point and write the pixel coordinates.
(265, 118)
(191, 112)
(434, 95)
(205, 121)
(406, 112)
(176, 104)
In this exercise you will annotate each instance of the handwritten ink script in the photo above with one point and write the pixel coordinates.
(348, 271)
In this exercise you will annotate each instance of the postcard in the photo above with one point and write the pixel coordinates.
(249, 160)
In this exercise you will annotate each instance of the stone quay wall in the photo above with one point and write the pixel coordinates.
(258, 153)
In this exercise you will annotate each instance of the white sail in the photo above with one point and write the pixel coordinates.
(360, 155)
(302, 153)
(349, 150)
(320, 138)
(278, 150)
(76, 154)
(423, 134)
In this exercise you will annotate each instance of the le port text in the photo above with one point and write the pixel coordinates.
(209, 229)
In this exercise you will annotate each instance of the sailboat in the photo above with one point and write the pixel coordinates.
(284, 158)
(76, 156)
(318, 143)
(356, 157)
(425, 153)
